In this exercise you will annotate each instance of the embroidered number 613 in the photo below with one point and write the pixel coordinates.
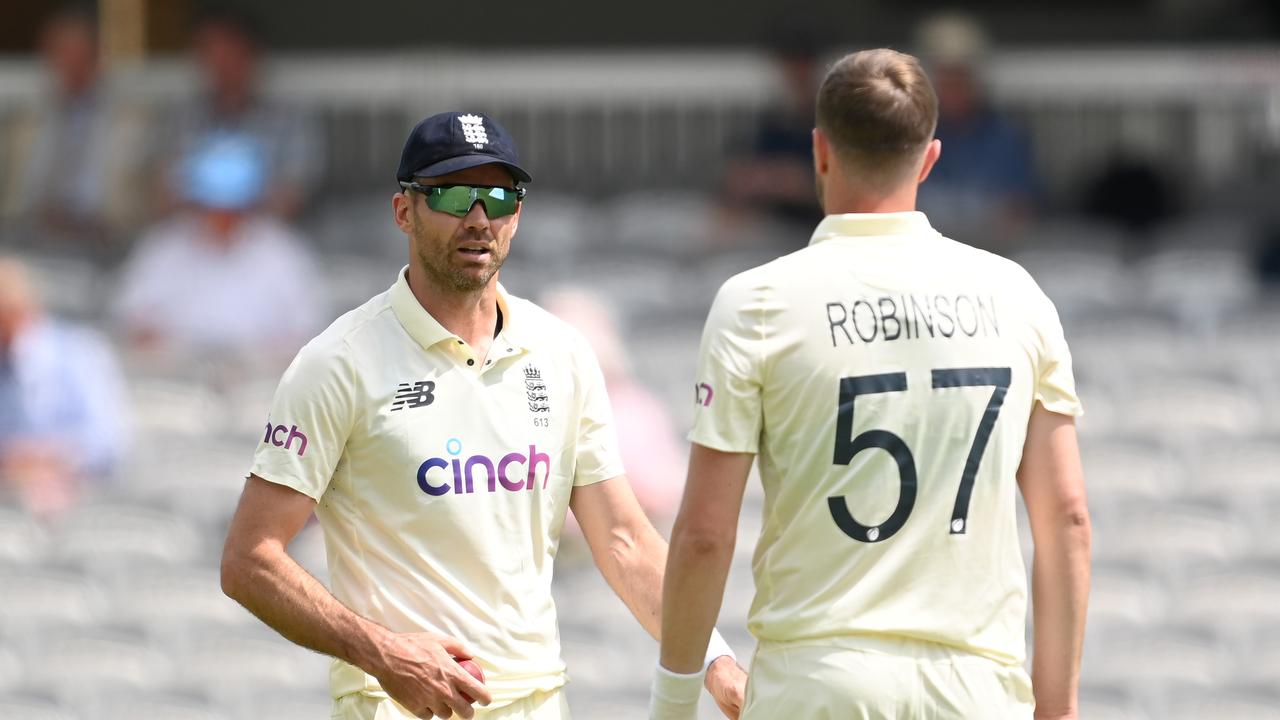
(846, 447)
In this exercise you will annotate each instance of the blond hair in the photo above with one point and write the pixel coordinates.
(879, 111)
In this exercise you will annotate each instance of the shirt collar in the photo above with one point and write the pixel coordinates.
(912, 222)
(428, 331)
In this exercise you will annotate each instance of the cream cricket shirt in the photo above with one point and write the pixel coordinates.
(885, 375)
(442, 482)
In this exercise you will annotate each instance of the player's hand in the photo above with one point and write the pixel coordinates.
(418, 670)
(727, 683)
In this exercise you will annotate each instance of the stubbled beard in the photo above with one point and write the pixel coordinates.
(449, 276)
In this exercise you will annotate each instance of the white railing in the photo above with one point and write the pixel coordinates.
(636, 118)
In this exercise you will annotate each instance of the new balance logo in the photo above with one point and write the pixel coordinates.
(473, 130)
(413, 395)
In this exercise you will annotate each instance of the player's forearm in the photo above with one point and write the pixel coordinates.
(633, 564)
(697, 567)
(272, 586)
(1060, 594)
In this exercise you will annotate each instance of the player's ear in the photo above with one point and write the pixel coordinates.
(402, 207)
(931, 155)
(821, 152)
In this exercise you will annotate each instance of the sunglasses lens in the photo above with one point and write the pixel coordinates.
(458, 199)
(498, 202)
(453, 200)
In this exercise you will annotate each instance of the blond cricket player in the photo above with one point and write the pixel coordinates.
(899, 388)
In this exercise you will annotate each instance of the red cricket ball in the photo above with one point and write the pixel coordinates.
(472, 667)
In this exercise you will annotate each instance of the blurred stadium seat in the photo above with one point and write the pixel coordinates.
(79, 666)
(1210, 230)
(1125, 596)
(71, 286)
(641, 285)
(1078, 265)
(556, 229)
(154, 597)
(153, 704)
(278, 704)
(10, 671)
(1222, 278)
(1112, 349)
(1154, 660)
(1234, 599)
(37, 597)
(31, 707)
(22, 539)
(1260, 665)
(1188, 408)
(352, 279)
(357, 225)
(1109, 703)
(657, 224)
(225, 664)
(1132, 471)
(166, 408)
(115, 533)
(1168, 536)
(1236, 703)
(1240, 470)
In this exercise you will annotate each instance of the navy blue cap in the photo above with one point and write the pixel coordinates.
(453, 141)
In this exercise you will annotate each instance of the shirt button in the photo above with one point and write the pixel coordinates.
(510, 349)
(488, 362)
(471, 362)
(459, 342)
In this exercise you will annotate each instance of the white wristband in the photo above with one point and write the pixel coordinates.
(675, 696)
(716, 648)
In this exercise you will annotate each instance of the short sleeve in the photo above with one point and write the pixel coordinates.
(598, 457)
(728, 412)
(1055, 380)
(311, 418)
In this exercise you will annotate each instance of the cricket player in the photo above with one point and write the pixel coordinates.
(440, 432)
(895, 385)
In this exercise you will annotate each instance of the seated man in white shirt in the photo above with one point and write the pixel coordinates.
(221, 277)
(63, 418)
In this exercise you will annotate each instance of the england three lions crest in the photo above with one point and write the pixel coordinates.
(536, 390)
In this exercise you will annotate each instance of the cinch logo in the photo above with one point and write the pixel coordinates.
(513, 472)
(703, 394)
(274, 432)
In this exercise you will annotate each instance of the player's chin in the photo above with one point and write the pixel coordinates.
(473, 276)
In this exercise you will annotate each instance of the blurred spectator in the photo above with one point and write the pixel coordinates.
(222, 276)
(1131, 192)
(773, 174)
(1269, 257)
(653, 457)
(71, 175)
(61, 401)
(984, 188)
(227, 51)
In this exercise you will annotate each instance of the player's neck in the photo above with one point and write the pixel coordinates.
(472, 316)
(841, 199)
(842, 194)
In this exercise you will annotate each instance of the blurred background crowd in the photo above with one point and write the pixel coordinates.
(188, 192)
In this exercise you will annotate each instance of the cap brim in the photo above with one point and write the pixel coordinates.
(462, 162)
